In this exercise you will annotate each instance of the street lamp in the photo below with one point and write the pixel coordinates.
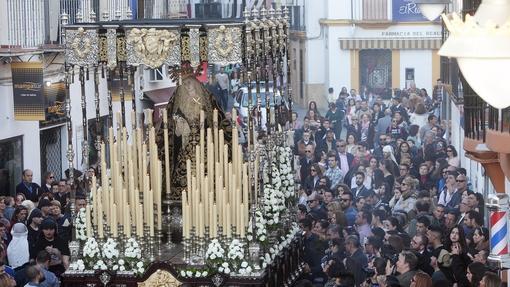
(481, 46)
(431, 9)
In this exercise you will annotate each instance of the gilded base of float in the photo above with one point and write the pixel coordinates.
(163, 272)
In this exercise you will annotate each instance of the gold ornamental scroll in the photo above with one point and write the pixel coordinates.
(152, 47)
(160, 278)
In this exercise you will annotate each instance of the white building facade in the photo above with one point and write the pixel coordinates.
(379, 44)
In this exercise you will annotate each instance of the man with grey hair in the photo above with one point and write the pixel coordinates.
(406, 266)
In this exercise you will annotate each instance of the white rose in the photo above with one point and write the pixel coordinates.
(139, 264)
(122, 268)
(189, 273)
(183, 273)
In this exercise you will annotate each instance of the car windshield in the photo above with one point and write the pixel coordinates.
(254, 99)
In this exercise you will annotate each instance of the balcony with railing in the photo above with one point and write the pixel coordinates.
(297, 17)
(371, 10)
(497, 134)
(477, 116)
(486, 136)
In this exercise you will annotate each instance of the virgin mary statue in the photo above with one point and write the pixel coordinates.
(183, 111)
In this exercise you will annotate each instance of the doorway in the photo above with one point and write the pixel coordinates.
(51, 151)
(375, 71)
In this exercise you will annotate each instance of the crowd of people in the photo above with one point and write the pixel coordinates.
(383, 198)
(35, 230)
(383, 201)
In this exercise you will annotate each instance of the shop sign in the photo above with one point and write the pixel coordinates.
(27, 85)
(54, 100)
(406, 11)
(410, 34)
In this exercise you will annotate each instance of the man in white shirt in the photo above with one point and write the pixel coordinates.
(449, 189)
(331, 95)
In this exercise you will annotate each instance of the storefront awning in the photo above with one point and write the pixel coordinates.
(160, 96)
(392, 44)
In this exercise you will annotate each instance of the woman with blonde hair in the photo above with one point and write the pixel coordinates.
(407, 200)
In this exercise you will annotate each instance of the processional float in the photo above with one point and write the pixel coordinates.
(234, 204)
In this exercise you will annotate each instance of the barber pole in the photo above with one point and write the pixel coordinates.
(499, 231)
(498, 225)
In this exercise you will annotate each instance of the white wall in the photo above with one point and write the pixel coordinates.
(339, 61)
(28, 129)
(421, 61)
(4, 35)
(336, 9)
(315, 54)
(329, 65)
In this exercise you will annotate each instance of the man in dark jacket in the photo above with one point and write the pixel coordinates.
(29, 189)
(313, 251)
(335, 116)
(419, 246)
(306, 162)
(356, 260)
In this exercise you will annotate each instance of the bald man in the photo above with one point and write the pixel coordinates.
(29, 189)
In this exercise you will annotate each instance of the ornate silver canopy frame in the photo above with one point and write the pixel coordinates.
(173, 43)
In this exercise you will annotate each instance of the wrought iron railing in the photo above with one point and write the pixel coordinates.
(499, 120)
(478, 115)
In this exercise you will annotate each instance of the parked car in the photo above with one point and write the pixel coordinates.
(242, 99)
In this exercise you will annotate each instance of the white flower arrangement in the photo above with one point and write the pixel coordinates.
(79, 265)
(224, 268)
(286, 173)
(268, 257)
(133, 257)
(274, 198)
(120, 265)
(100, 265)
(132, 249)
(109, 249)
(260, 228)
(215, 251)
(91, 252)
(80, 225)
(194, 273)
(235, 250)
(245, 269)
(107, 256)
